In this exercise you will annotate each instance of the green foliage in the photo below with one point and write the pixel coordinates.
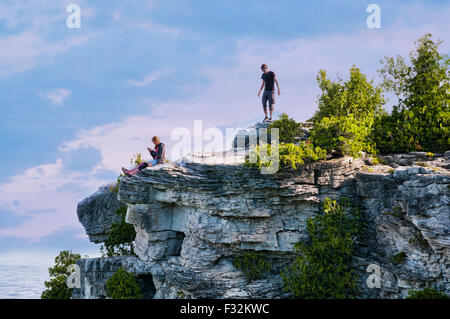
(323, 268)
(427, 293)
(398, 258)
(347, 111)
(56, 287)
(121, 237)
(289, 129)
(115, 188)
(357, 97)
(252, 264)
(136, 159)
(290, 155)
(123, 285)
(343, 135)
(419, 240)
(421, 120)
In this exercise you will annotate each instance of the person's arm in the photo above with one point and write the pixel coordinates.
(262, 87)
(152, 152)
(278, 86)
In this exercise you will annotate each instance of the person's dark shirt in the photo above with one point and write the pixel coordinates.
(159, 153)
(269, 79)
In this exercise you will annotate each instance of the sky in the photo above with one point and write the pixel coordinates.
(77, 103)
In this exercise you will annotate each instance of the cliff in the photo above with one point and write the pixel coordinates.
(194, 217)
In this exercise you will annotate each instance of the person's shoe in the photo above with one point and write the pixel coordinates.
(270, 119)
(265, 119)
(126, 172)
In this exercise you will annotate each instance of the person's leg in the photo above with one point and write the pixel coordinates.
(271, 103)
(135, 170)
(264, 102)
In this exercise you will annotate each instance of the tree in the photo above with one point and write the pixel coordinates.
(123, 285)
(357, 97)
(323, 268)
(56, 286)
(346, 114)
(121, 237)
(421, 119)
(289, 129)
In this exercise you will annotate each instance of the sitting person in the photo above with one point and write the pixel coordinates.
(158, 154)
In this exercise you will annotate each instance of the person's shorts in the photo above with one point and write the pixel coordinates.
(268, 96)
(146, 164)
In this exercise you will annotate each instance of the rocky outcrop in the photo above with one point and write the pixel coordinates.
(195, 217)
(97, 213)
(251, 136)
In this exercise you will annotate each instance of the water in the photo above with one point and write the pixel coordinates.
(18, 281)
(22, 273)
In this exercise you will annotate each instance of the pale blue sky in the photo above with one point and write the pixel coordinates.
(77, 103)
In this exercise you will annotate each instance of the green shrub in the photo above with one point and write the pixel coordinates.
(121, 237)
(419, 240)
(357, 97)
(252, 264)
(323, 268)
(343, 135)
(347, 110)
(115, 188)
(427, 293)
(123, 285)
(136, 159)
(290, 155)
(398, 258)
(421, 119)
(289, 129)
(57, 286)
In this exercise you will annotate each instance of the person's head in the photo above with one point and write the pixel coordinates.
(264, 68)
(155, 140)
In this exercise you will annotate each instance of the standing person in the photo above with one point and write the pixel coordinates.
(158, 154)
(268, 84)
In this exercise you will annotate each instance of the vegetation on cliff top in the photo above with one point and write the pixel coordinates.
(290, 155)
(350, 118)
(421, 119)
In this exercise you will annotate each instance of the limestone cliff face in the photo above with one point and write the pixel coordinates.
(97, 213)
(194, 217)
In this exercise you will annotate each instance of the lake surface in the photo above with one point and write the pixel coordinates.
(22, 281)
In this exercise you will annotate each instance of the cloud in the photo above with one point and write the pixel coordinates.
(23, 51)
(28, 28)
(159, 28)
(58, 96)
(40, 195)
(146, 80)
